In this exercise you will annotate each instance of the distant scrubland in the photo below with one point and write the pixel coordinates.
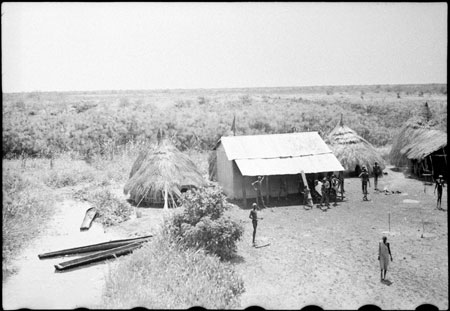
(45, 124)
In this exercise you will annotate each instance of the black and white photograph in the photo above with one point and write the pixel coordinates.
(224, 155)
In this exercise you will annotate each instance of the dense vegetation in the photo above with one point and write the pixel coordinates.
(98, 123)
(200, 223)
(26, 205)
(162, 275)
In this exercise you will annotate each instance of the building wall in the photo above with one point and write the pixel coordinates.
(225, 176)
(292, 182)
(436, 163)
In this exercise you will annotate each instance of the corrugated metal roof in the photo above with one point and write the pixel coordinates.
(274, 145)
(280, 154)
(286, 166)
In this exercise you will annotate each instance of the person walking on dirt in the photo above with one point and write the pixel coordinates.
(364, 181)
(376, 174)
(439, 186)
(254, 217)
(325, 192)
(384, 252)
(257, 185)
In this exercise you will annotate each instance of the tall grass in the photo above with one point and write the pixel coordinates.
(161, 275)
(26, 206)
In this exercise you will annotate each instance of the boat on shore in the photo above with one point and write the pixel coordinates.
(103, 255)
(95, 247)
(91, 213)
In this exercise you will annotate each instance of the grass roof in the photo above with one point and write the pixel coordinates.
(161, 167)
(417, 138)
(351, 149)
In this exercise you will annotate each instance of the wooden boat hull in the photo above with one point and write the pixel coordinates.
(94, 247)
(103, 255)
(91, 213)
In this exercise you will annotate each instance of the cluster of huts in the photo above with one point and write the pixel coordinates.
(161, 173)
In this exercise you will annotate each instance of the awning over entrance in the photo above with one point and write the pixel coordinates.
(289, 165)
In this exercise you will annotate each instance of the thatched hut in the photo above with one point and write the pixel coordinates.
(352, 150)
(160, 174)
(420, 146)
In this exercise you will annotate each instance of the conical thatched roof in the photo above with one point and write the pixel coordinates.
(159, 169)
(417, 138)
(351, 149)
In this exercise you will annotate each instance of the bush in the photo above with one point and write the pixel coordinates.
(111, 210)
(200, 223)
(163, 275)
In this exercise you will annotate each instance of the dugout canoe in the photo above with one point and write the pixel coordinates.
(99, 256)
(91, 213)
(94, 247)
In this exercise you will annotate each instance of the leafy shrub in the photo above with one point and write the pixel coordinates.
(164, 275)
(111, 210)
(201, 223)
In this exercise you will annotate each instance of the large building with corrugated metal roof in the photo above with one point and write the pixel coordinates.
(278, 157)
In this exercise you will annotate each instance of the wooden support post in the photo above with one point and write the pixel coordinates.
(305, 181)
(267, 190)
(389, 220)
(166, 206)
(244, 192)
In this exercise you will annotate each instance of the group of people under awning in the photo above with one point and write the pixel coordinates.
(331, 186)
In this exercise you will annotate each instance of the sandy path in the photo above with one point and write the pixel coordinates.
(329, 258)
(38, 286)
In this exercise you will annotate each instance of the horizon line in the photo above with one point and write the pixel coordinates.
(222, 88)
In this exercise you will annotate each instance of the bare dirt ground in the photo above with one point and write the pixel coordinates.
(329, 259)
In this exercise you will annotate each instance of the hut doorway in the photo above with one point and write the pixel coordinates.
(357, 170)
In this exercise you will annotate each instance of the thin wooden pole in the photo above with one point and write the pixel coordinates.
(445, 157)
(174, 205)
(244, 192)
(432, 168)
(305, 182)
(423, 226)
(165, 197)
(389, 219)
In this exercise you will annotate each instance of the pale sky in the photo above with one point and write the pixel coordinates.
(128, 46)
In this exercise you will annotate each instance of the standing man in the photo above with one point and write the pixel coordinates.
(364, 180)
(257, 185)
(254, 217)
(325, 192)
(335, 187)
(439, 186)
(341, 183)
(384, 251)
(376, 174)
